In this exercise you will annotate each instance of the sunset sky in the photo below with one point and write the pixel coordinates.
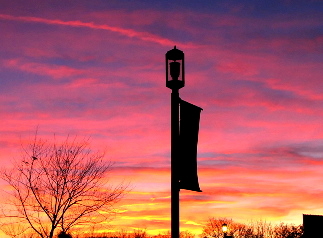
(97, 69)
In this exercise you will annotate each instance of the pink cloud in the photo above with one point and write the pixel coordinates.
(239, 68)
(126, 32)
(54, 71)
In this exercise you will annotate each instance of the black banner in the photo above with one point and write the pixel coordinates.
(189, 128)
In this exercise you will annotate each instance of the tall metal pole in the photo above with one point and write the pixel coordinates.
(175, 80)
(174, 163)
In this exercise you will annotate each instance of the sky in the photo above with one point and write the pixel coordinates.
(97, 69)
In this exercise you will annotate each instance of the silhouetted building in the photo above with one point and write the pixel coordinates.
(312, 226)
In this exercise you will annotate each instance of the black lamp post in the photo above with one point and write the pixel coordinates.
(175, 80)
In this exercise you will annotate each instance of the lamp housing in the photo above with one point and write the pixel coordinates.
(175, 69)
(225, 228)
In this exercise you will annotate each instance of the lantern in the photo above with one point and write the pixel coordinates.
(225, 228)
(175, 69)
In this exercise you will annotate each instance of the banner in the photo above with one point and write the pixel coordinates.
(188, 139)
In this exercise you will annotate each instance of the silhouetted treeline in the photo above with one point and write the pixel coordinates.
(213, 229)
(258, 229)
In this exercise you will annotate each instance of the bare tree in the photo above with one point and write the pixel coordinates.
(61, 185)
(186, 234)
(288, 231)
(213, 227)
(261, 229)
(13, 228)
(139, 233)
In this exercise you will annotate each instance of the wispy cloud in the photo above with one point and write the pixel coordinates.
(54, 71)
(145, 36)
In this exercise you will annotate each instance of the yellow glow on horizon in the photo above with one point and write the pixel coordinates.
(193, 223)
(147, 218)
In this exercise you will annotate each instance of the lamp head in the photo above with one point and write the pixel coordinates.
(225, 228)
(175, 69)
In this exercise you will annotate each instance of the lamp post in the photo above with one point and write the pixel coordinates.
(224, 229)
(175, 80)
